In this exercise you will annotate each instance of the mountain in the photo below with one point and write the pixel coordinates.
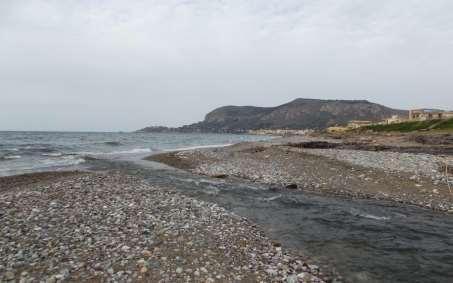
(298, 114)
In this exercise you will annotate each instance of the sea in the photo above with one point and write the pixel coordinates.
(29, 152)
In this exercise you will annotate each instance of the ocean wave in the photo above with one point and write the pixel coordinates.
(132, 151)
(38, 149)
(113, 143)
(53, 154)
(199, 147)
(64, 161)
(44, 165)
(136, 150)
(10, 157)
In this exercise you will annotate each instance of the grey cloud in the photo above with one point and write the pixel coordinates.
(117, 65)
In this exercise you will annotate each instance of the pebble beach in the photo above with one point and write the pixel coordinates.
(410, 178)
(85, 227)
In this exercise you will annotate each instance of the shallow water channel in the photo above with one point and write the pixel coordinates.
(364, 240)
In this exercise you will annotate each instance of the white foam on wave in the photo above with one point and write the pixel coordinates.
(43, 165)
(374, 217)
(359, 213)
(198, 147)
(65, 161)
(55, 154)
(132, 151)
(35, 147)
(272, 198)
(11, 157)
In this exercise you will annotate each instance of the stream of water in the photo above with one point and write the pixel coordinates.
(364, 240)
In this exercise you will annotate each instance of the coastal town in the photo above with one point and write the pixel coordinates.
(415, 115)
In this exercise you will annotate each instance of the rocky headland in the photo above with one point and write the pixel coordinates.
(301, 113)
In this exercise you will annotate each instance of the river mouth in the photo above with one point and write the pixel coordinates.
(363, 240)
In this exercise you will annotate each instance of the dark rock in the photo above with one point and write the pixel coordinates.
(314, 144)
(292, 186)
(220, 176)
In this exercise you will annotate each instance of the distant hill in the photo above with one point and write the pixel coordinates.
(298, 114)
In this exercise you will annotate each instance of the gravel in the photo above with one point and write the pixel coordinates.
(115, 228)
(419, 165)
(401, 177)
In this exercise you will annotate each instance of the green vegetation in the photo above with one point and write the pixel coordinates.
(445, 125)
(413, 126)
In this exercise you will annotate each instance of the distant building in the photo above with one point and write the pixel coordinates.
(429, 114)
(395, 119)
(355, 124)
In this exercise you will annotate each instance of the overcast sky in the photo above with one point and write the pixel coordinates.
(121, 65)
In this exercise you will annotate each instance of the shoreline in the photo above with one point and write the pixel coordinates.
(78, 226)
(331, 167)
(46, 201)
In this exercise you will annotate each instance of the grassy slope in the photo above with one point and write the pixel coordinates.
(413, 126)
(445, 125)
